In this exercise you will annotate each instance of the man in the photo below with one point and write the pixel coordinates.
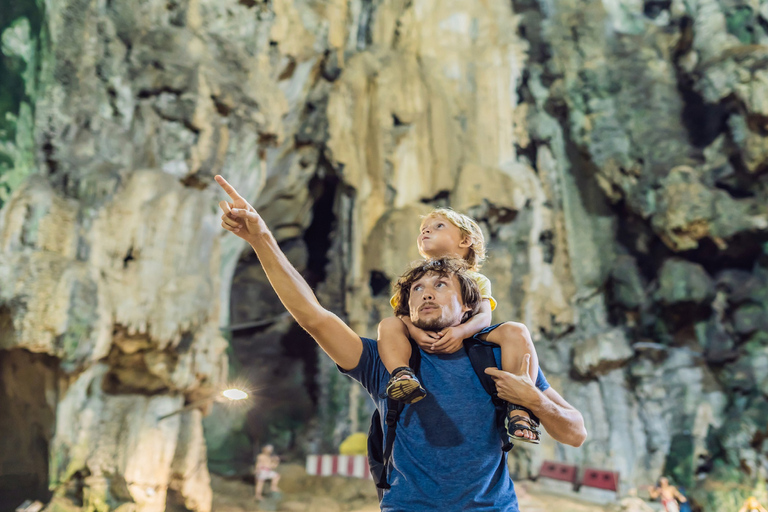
(266, 466)
(447, 453)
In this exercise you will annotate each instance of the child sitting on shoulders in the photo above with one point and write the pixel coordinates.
(447, 233)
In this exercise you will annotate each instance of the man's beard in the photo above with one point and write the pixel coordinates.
(433, 324)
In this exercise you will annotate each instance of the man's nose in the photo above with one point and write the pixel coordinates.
(428, 295)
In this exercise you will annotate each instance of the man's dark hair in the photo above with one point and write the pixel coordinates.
(470, 292)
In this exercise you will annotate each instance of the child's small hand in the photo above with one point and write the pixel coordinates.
(450, 340)
(424, 339)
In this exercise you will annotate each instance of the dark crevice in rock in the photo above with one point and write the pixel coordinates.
(524, 96)
(7, 331)
(439, 199)
(314, 126)
(365, 24)
(380, 284)
(187, 338)
(288, 71)
(323, 188)
(396, 121)
(49, 154)
(112, 95)
(174, 501)
(266, 140)
(149, 93)
(704, 121)
(298, 345)
(530, 29)
(196, 181)
(653, 8)
(221, 107)
(28, 383)
(636, 236)
(743, 252)
(546, 240)
(329, 68)
(128, 258)
(129, 369)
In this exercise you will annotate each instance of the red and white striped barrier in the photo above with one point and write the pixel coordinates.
(344, 465)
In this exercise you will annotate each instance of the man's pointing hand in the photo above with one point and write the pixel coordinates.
(239, 217)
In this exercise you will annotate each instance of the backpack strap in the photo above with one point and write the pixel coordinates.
(481, 356)
(394, 409)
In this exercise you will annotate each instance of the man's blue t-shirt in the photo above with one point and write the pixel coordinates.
(447, 453)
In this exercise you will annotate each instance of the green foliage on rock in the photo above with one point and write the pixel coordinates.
(20, 29)
(739, 22)
(680, 464)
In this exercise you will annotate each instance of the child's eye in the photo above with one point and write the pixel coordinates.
(440, 225)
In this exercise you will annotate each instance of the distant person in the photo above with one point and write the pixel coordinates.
(266, 465)
(752, 505)
(669, 495)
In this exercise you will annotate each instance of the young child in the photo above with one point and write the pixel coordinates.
(445, 232)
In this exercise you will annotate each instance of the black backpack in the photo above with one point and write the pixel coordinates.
(380, 449)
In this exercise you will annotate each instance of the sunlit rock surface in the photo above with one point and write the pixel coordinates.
(613, 151)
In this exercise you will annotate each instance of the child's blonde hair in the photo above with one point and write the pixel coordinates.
(468, 228)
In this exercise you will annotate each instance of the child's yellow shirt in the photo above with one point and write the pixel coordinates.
(482, 282)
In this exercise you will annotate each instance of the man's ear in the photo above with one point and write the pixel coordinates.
(466, 314)
(466, 242)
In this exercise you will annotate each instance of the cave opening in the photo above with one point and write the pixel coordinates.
(28, 394)
(269, 350)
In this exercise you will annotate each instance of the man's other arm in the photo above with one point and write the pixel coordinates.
(561, 420)
(334, 336)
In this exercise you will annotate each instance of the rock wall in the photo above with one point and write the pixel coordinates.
(614, 152)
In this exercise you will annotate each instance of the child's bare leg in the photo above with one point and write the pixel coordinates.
(259, 488)
(515, 343)
(394, 344)
(395, 351)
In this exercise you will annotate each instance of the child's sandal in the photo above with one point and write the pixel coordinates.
(403, 386)
(518, 422)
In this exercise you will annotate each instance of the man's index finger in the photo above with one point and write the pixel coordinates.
(229, 189)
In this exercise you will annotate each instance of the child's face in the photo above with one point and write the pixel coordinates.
(439, 238)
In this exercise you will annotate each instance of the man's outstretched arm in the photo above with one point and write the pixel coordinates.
(334, 336)
(560, 419)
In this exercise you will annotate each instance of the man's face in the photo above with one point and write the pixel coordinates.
(435, 302)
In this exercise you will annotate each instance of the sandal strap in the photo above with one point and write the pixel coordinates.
(534, 420)
(402, 369)
(515, 425)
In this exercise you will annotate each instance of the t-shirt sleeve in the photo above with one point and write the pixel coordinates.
(485, 289)
(541, 381)
(370, 371)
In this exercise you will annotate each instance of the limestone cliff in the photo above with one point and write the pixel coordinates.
(614, 151)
